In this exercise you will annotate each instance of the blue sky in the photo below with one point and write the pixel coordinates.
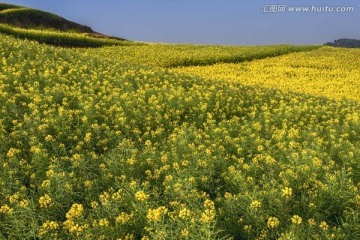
(228, 22)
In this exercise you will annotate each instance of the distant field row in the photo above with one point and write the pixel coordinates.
(65, 39)
(327, 72)
(173, 55)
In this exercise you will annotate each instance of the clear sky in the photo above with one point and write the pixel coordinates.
(233, 22)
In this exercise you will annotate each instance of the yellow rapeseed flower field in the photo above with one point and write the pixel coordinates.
(109, 143)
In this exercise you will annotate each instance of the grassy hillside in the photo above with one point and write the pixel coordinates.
(5, 6)
(35, 19)
(95, 148)
(49, 28)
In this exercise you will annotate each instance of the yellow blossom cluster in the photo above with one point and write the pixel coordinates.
(273, 222)
(296, 219)
(75, 211)
(45, 201)
(141, 196)
(48, 226)
(156, 214)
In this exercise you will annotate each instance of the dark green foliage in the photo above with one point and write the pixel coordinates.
(344, 42)
(4, 6)
(35, 19)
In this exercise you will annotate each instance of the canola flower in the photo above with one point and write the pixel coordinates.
(48, 226)
(184, 213)
(311, 222)
(156, 214)
(141, 196)
(286, 192)
(273, 222)
(45, 201)
(296, 219)
(124, 218)
(324, 226)
(75, 211)
(5, 209)
(255, 204)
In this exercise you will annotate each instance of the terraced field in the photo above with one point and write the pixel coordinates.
(134, 142)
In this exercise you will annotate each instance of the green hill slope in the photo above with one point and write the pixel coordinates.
(45, 27)
(4, 6)
(35, 19)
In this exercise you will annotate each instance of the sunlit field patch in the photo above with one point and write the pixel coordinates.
(326, 72)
